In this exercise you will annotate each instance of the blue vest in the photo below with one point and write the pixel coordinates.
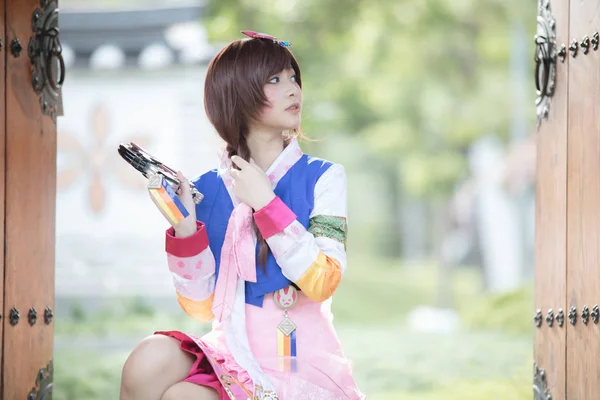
(296, 189)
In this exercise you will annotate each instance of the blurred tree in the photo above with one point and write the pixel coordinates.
(419, 80)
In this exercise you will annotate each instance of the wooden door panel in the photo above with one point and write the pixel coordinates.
(30, 214)
(2, 176)
(550, 241)
(583, 200)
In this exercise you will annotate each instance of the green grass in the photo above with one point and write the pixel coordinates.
(509, 312)
(128, 317)
(89, 375)
(497, 389)
(385, 291)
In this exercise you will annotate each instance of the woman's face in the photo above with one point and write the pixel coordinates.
(284, 108)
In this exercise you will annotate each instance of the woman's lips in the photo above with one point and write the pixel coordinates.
(295, 108)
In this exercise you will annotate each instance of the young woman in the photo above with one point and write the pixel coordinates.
(260, 256)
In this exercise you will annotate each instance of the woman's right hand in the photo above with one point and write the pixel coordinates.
(187, 226)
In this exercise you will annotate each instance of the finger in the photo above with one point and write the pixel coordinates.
(235, 173)
(240, 162)
(182, 178)
(254, 164)
(184, 184)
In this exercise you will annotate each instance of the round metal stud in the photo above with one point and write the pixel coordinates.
(538, 318)
(585, 315)
(573, 48)
(48, 315)
(595, 314)
(550, 318)
(573, 315)
(560, 317)
(585, 44)
(32, 316)
(16, 48)
(13, 316)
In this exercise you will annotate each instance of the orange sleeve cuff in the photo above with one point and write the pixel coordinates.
(321, 279)
(199, 310)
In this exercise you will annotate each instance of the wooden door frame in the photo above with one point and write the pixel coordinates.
(3, 56)
(27, 204)
(551, 216)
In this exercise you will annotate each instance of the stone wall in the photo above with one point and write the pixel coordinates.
(109, 236)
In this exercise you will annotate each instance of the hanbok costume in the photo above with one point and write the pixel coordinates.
(272, 335)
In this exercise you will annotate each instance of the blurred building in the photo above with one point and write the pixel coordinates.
(132, 75)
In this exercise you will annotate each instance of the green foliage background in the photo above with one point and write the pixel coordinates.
(417, 80)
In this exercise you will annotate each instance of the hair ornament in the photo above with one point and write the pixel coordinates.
(258, 35)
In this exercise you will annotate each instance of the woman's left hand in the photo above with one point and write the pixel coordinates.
(250, 184)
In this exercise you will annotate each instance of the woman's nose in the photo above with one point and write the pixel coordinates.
(293, 90)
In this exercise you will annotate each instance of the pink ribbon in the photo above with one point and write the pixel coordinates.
(238, 258)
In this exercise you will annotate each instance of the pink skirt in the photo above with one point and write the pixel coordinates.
(201, 373)
(317, 370)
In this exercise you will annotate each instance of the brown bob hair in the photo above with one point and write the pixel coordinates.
(233, 93)
(233, 89)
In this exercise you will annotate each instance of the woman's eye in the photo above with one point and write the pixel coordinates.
(274, 80)
(294, 78)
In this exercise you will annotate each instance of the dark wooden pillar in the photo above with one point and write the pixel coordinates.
(567, 340)
(551, 221)
(27, 198)
(3, 52)
(583, 205)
